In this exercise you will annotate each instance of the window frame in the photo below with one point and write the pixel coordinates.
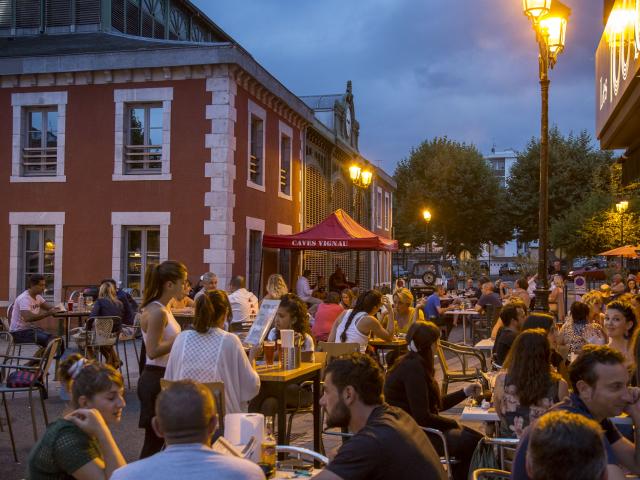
(146, 106)
(285, 131)
(124, 100)
(254, 110)
(22, 103)
(379, 207)
(256, 225)
(41, 251)
(144, 252)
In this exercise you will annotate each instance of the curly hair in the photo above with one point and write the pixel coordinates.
(297, 310)
(529, 367)
(276, 286)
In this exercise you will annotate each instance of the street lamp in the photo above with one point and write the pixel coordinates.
(426, 214)
(405, 245)
(622, 207)
(361, 177)
(549, 20)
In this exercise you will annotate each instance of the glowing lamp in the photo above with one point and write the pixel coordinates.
(426, 214)
(536, 8)
(354, 173)
(365, 178)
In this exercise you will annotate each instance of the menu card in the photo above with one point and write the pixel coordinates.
(262, 323)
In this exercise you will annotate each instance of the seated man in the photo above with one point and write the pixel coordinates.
(599, 380)
(512, 317)
(244, 304)
(28, 308)
(304, 290)
(436, 313)
(488, 297)
(387, 442)
(186, 419)
(472, 291)
(566, 445)
(209, 281)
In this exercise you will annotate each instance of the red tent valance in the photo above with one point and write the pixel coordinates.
(337, 232)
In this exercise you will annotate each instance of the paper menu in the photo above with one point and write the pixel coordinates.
(262, 323)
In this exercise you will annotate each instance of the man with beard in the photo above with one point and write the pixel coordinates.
(387, 442)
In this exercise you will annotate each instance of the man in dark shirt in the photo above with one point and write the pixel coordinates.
(599, 380)
(488, 297)
(387, 442)
(512, 317)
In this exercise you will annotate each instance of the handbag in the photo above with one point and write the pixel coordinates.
(484, 456)
(21, 379)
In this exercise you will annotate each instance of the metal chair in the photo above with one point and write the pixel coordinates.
(506, 448)
(41, 371)
(6, 326)
(446, 460)
(490, 473)
(99, 335)
(129, 334)
(463, 353)
(482, 329)
(299, 452)
(217, 391)
(337, 349)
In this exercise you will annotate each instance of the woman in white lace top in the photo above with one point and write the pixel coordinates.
(209, 354)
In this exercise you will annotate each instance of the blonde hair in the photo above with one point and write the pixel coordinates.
(404, 295)
(276, 286)
(592, 297)
(107, 291)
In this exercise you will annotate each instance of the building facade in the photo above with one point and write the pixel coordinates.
(138, 131)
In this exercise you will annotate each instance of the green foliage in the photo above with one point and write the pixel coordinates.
(576, 170)
(452, 180)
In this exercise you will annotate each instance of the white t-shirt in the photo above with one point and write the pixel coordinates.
(303, 289)
(244, 305)
(24, 302)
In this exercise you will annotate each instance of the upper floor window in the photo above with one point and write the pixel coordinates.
(38, 136)
(284, 179)
(40, 145)
(387, 211)
(142, 134)
(256, 160)
(143, 151)
(379, 207)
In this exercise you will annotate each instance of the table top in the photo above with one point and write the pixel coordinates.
(75, 313)
(486, 344)
(462, 312)
(275, 374)
(179, 314)
(281, 474)
(396, 342)
(477, 414)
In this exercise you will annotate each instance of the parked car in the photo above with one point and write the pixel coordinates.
(425, 276)
(593, 270)
(509, 269)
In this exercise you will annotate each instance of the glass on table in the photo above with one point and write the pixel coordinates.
(269, 349)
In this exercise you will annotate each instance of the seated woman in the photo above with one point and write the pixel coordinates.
(327, 313)
(404, 312)
(528, 386)
(182, 300)
(620, 324)
(559, 351)
(209, 354)
(276, 287)
(412, 386)
(556, 298)
(356, 324)
(80, 444)
(576, 332)
(108, 305)
(347, 298)
(632, 286)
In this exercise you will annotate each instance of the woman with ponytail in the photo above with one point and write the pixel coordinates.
(80, 444)
(411, 385)
(356, 324)
(159, 330)
(209, 354)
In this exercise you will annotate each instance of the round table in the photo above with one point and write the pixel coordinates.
(397, 345)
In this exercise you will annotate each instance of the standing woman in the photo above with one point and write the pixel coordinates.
(80, 444)
(620, 323)
(556, 298)
(159, 330)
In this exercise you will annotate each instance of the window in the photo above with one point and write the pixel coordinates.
(256, 147)
(141, 251)
(379, 207)
(387, 211)
(142, 134)
(284, 179)
(38, 255)
(38, 136)
(255, 256)
(143, 151)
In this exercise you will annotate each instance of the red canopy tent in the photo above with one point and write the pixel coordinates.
(337, 232)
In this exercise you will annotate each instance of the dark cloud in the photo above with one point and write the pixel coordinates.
(462, 68)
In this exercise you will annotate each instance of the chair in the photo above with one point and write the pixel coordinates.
(128, 334)
(100, 334)
(299, 452)
(337, 349)
(6, 326)
(41, 371)
(490, 473)
(299, 409)
(467, 373)
(445, 459)
(482, 329)
(504, 446)
(217, 391)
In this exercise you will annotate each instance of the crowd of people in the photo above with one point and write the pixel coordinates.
(550, 382)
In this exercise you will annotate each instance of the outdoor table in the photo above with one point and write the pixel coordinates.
(397, 345)
(477, 414)
(464, 314)
(184, 318)
(282, 474)
(486, 346)
(279, 380)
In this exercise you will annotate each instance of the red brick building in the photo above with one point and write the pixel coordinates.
(130, 139)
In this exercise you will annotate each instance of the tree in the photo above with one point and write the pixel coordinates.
(575, 170)
(454, 182)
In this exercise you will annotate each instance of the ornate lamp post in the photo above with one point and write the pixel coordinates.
(405, 245)
(361, 177)
(622, 207)
(426, 214)
(549, 20)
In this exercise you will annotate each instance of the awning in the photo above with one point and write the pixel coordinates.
(337, 232)
(629, 251)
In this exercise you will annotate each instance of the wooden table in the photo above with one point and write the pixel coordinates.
(279, 379)
(477, 414)
(464, 314)
(185, 319)
(397, 345)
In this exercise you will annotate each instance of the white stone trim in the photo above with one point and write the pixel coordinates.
(379, 208)
(18, 219)
(221, 169)
(20, 101)
(139, 95)
(251, 223)
(284, 229)
(287, 131)
(258, 111)
(387, 211)
(135, 219)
